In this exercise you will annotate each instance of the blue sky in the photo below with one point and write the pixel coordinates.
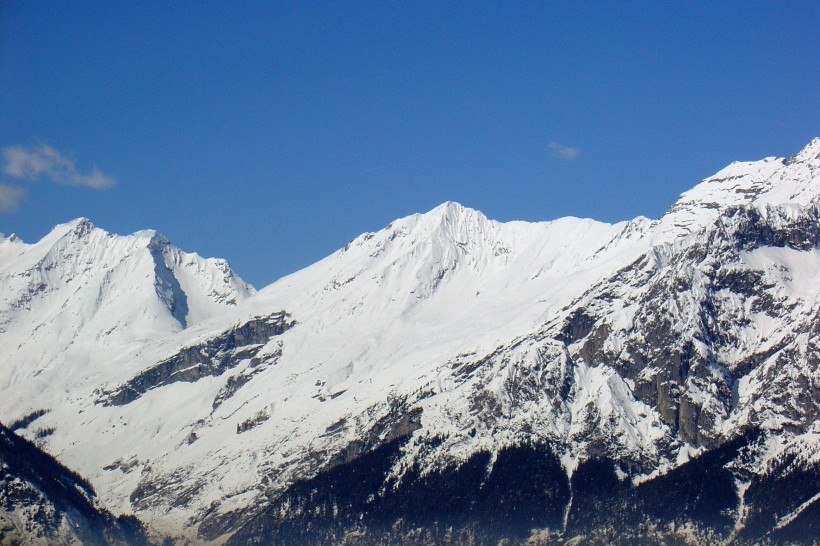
(272, 133)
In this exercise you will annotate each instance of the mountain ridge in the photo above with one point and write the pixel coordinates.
(447, 341)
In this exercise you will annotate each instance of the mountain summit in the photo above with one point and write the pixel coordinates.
(81, 294)
(449, 379)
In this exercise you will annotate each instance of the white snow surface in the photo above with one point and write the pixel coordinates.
(80, 296)
(771, 181)
(393, 316)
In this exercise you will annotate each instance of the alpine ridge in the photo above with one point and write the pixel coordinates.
(448, 379)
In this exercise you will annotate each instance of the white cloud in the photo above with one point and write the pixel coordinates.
(564, 152)
(33, 162)
(10, 197)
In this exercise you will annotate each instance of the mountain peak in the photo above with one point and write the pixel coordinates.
(450, 210)
(809, 154)
(79, 226)
(767, 182)
(453, 223)
(80, 221)
(450, 206)
(449, 217)
(124, 284)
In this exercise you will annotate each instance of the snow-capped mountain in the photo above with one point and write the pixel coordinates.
(448, 378)
(80, 294)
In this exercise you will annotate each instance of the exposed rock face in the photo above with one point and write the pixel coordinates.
(695, 333)
(211, 358)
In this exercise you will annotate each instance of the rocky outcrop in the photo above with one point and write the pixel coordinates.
(684, 347)
(210, 358)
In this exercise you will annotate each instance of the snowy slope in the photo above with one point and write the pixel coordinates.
(192, 405)
(771, 181)
(42, 502)
(81, 295)
(383, 317)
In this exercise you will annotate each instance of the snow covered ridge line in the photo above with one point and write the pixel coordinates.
(446, 379)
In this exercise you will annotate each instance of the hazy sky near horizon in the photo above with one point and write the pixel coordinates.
(272, 133)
